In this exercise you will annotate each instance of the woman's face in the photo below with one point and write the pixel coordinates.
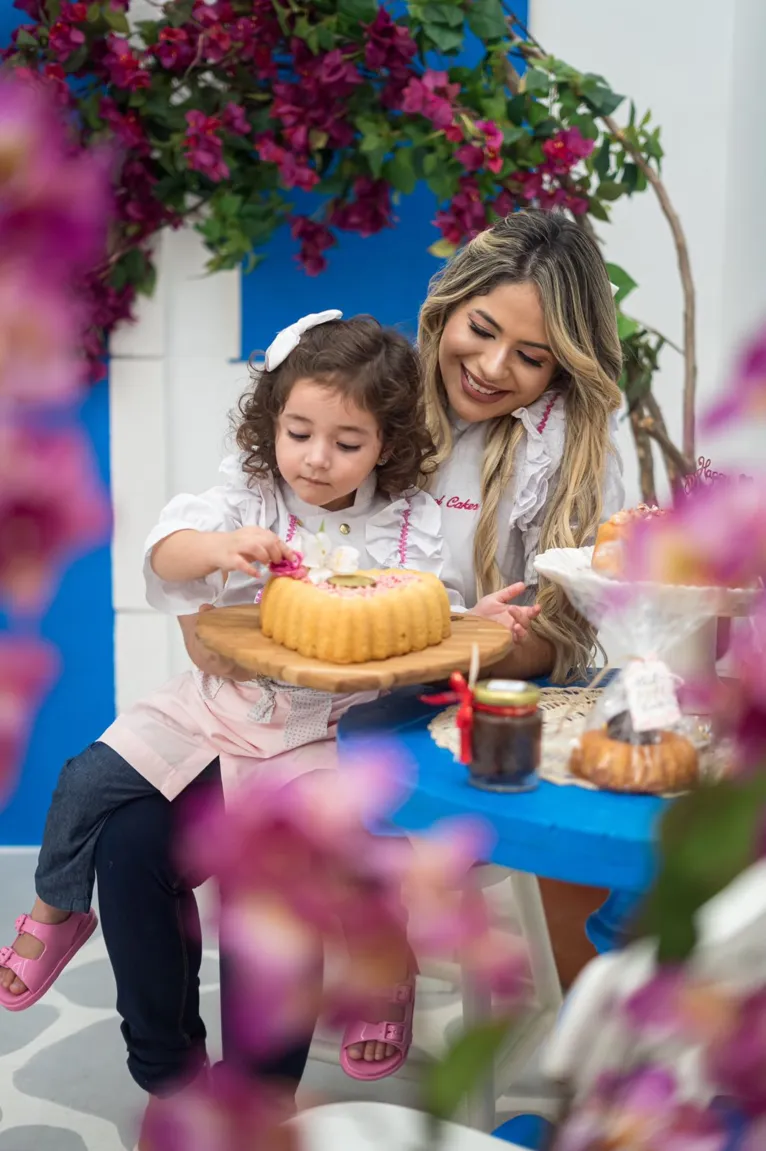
(494, 354)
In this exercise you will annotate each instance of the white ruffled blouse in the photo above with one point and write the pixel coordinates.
(457, 489)
(402, 533)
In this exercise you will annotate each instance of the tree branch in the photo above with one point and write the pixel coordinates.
(656, 429)
(643, 444)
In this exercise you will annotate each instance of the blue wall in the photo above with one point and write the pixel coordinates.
(81, 625)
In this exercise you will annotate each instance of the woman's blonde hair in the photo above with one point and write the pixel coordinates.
(565, 265)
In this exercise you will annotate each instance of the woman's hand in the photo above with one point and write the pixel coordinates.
(497, 607)
(205, 659)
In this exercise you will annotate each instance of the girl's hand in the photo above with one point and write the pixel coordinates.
(498, 608)
(240, 550)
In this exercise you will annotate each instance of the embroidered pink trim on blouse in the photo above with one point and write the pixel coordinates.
(291, 528)
(546, 414)
(404, 534)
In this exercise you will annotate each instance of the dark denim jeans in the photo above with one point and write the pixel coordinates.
(151, 928)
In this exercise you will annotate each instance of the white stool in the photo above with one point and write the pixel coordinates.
(382, 1127)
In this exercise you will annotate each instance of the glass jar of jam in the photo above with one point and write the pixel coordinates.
(506, 735)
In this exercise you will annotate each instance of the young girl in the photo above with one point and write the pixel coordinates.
(333, 437)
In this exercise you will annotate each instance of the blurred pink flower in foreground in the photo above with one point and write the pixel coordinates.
(745, 396)
(51, 509)
(27, 668)
(640, 1111)
(40, 357)
(715, 536)
(299, 870)
(54, 198)
(220, 1112)
(737, 1061)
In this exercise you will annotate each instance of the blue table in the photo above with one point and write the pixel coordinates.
(568, 833)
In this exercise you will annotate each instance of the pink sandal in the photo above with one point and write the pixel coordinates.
(397, 1035)
(61, 942)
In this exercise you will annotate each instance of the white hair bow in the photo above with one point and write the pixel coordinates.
(289, 338)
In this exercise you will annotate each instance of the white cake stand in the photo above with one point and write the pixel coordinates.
(691, 611)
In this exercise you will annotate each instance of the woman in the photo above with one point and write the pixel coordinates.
(521, 357)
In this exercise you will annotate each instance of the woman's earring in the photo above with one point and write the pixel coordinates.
(383, 460)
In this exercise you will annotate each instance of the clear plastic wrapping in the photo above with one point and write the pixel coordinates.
(636, 738)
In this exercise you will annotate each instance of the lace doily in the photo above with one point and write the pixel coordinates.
(565, 711)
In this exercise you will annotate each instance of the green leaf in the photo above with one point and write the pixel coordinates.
(375, 159)
(597, 210)
(486, 19)
(361, 11)
(603, 158)
(610, 190)
(117, 20)
(93, 14)
(446, 40)
(536, 82)
(399, 171)
(25, 39)
(600, 96)
(627, 327)
(707, 839)
(469, 1059)
(624, 283)
(448, 14)
(443, 249)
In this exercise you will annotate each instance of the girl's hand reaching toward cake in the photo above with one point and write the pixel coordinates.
(498, 608)
(191, 555)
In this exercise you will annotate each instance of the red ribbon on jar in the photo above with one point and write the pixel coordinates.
(461, 694)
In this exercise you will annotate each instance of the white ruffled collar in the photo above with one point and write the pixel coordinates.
(363, 499)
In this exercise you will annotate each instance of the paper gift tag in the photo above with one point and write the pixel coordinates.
(651, 695)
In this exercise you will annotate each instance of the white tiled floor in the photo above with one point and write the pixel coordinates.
(63, 1082)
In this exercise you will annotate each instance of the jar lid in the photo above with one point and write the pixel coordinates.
(506, 693)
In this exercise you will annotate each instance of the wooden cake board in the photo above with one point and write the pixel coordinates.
(234, 633)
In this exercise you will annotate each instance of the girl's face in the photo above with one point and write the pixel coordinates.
(326, 446)
(494, 354)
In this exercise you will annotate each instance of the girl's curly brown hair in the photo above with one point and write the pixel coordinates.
(375, 367)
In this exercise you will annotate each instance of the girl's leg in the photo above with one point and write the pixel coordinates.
(89, 788)
(152, 932)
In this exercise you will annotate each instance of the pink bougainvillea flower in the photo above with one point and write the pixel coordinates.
(745, 396)
(174, 48)
(221, 1112)
(471, 156)
(388, 45)
(64, 39)
(369, 211)
(235, 119)
(52, 508)
(466, 215)
(433, 97)
(40, 328)
(27, 668)
(493, 143)
(566, 149)
(204, 147)
(736, 1063)
(293, 568)
(315, 239)
(124, 68)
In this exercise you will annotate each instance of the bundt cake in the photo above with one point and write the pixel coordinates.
(350, 619)
(615, 758)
